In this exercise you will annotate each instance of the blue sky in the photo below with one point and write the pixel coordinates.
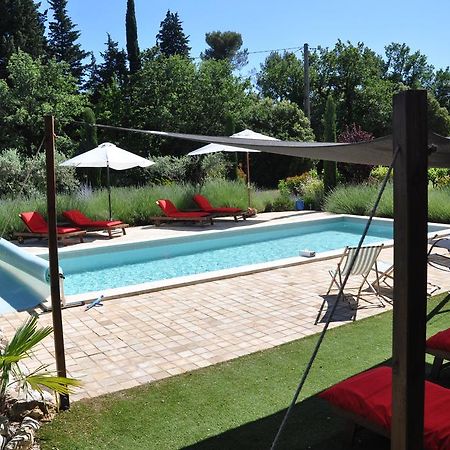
(276, 24)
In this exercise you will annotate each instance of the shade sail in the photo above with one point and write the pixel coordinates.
(375, 152)
(108, 154)
(214, 148)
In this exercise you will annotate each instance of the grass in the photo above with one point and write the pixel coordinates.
(238, 404)
(133, 205)
(359, 199)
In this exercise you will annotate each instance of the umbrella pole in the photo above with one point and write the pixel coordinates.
(248, 180)
(108, 182)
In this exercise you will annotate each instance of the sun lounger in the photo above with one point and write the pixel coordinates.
(81, 221)
(438, 345)
(38, 228)
(365, 262)
(366, 400)
(205, 206)
(173, 214)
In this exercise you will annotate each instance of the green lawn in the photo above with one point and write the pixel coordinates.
(239, 404)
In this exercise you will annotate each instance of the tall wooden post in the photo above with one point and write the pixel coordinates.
(306, 101)
(410, 262)
(53, 255)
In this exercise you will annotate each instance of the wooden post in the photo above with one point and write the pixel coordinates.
(410, 262)
(306, 101)
(248, 181)
(53, 256)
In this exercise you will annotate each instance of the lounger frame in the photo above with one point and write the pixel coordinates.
(109, 229)
(21, 236)
(158, 220)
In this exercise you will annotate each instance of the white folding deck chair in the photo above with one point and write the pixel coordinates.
(363, 265)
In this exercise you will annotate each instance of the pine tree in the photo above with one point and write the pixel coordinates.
(114, 63)
(171, 39)
(62, 38)
(329, 134)
(132, 38)
(21, 27)
(226, 45)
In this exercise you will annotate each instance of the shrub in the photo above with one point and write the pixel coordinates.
(280, 203)
(439, 177)
(306, 186)
(354, 173)
(27, 176)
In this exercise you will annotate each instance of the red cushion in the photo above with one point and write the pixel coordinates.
(189, 214)
(34, 222)
(440, 341)
(80, 220)
(77, 217)
(369, 394)
(204, 205)
(202, 202)
(167, 206)
(64, 230)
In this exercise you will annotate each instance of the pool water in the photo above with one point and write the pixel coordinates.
(130, 264)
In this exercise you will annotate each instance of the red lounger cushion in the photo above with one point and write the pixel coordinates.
(369, 395)
(170, 210)
(37, 224)
(204, 205)
(440, 341)
(80, 220)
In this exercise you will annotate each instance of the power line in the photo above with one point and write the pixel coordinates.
(296, 49)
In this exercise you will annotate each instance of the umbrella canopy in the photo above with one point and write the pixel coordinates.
(109, 156)
(248, 134)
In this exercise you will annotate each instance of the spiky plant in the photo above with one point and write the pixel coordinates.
(19, 348)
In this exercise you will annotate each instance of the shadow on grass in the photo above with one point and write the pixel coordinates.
(312, 425)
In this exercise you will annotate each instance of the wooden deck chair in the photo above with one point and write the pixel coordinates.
(363, 265)
(81, 221)
(224, 211)
(438, 345)
(172, 213)
(38, 228)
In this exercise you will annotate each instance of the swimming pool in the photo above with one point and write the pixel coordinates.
(115, 266)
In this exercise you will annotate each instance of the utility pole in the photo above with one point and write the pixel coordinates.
(306, 102)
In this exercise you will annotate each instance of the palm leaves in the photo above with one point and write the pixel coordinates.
(19, 348)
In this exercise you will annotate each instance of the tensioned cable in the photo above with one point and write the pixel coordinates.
(8, 220)
(333, 309)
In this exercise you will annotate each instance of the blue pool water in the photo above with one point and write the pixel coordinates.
(129, 264)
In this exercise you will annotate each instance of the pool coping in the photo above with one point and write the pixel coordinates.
(153, 286)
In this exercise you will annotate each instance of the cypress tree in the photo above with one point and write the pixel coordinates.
(171, 39)
(21, 27)
(62, 38)
(329, 134)
(132, 38)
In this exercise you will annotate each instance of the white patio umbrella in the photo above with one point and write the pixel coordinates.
(109, 156)
(249, 134)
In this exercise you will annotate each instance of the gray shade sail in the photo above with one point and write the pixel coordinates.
(375, 152)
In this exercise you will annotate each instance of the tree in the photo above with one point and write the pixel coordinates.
(21, 27)
(32, 90)
(226, 45)
(441, 87)
(355, 173)
(281, 77)
(114, 63)
(63, 37)
(132, 38)
(283, 120)
(410, 69)
(171, 38)
(329, 135)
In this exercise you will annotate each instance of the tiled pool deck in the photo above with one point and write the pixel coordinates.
(143, 338)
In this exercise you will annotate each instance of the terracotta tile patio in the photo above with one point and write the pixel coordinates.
(139, 339)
